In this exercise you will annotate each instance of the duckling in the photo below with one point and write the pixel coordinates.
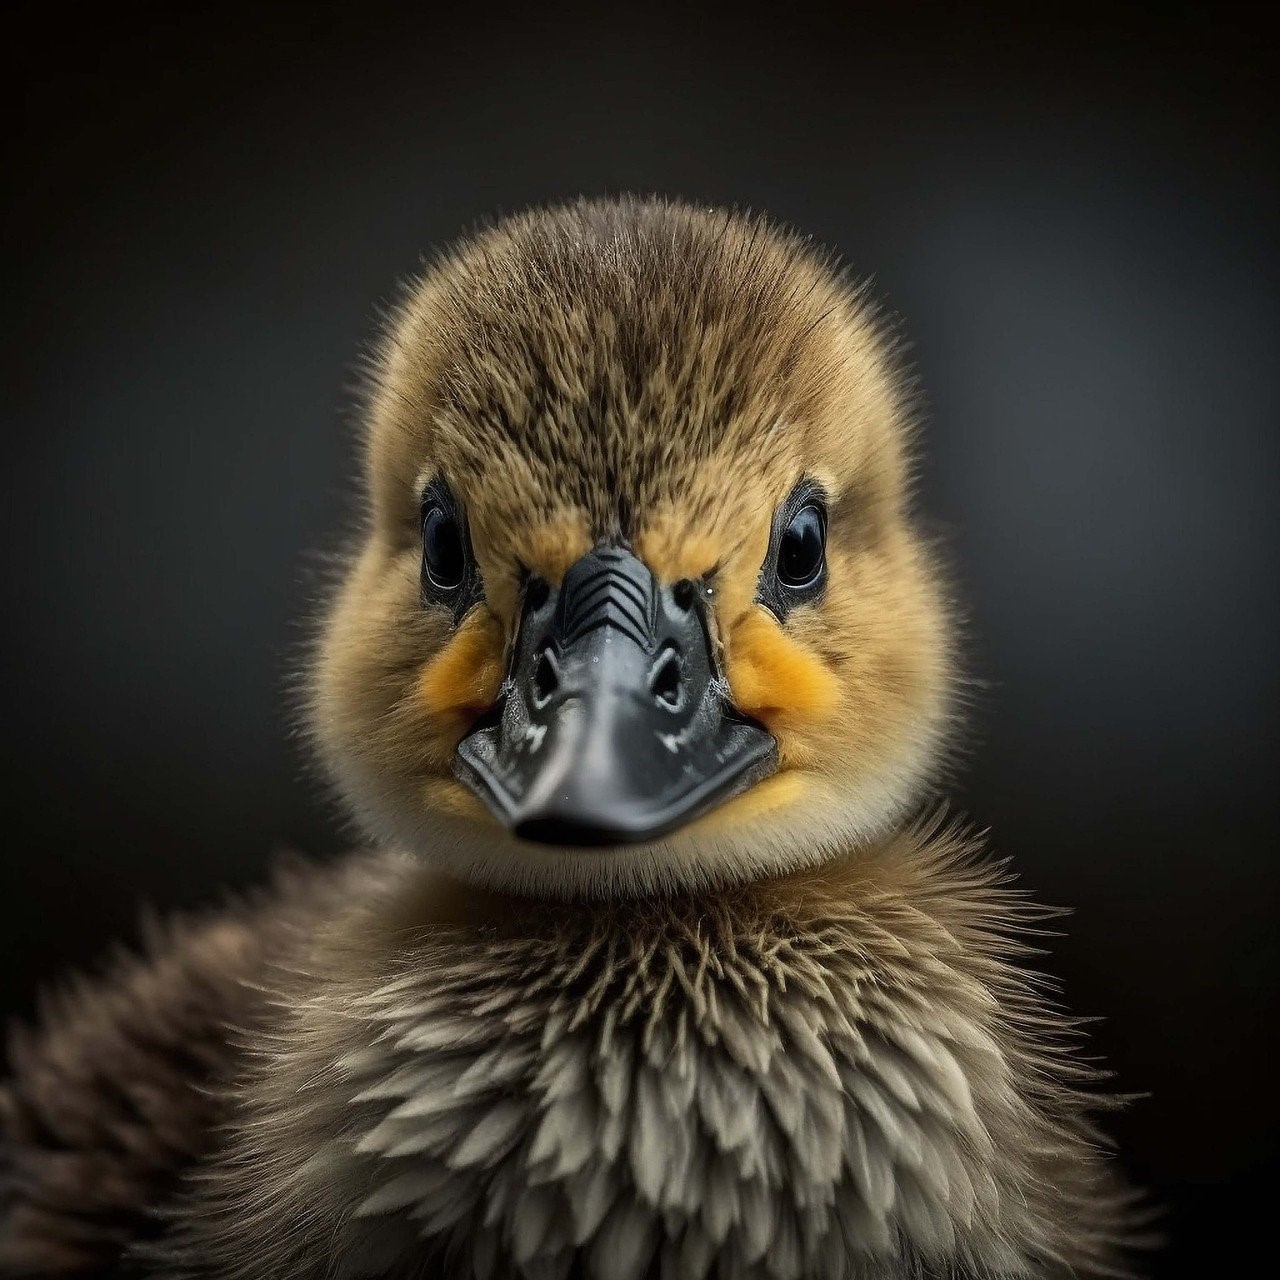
(639, 680)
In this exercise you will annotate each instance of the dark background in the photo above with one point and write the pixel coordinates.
(1076, 223)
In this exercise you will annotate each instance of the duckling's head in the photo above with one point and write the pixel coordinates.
(638, 604)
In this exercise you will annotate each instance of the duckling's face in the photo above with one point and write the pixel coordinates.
(639, 606)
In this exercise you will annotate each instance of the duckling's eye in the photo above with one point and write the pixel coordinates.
(442, 554)
(796, 571)
(449, 574)
(803, 548)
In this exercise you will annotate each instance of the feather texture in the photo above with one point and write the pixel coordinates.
(843, 1073)
(119, 1091)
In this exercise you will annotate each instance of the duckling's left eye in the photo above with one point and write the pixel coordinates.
(442, 553)
(796, 571)
(802, 549)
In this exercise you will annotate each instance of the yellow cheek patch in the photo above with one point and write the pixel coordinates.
(464, 677)
(773, 677)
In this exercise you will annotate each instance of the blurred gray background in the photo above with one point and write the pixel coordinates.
(1076, 224)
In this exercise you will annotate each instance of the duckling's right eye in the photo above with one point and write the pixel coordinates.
(443, 555)
(450, 576)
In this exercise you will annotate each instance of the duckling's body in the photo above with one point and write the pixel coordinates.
(837, 1074)
(787, 1038)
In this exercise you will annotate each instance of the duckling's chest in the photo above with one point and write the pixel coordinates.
(687, 1102)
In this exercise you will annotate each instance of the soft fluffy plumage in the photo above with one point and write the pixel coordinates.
(793, 1040)
(844, 1073)
(121, 1089)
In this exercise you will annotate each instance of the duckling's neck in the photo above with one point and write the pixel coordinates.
(414, 899)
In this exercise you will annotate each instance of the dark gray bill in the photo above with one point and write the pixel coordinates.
(613, 725)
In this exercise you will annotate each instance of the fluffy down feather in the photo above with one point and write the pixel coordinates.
(780, 1043)
(841, 1074)
(122, 1087)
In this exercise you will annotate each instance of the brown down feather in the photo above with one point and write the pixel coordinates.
(799, 1039)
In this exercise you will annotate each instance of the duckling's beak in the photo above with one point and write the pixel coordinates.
(614, 724)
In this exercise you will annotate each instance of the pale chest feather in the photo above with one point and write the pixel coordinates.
(705, 1102)
(697, 1090)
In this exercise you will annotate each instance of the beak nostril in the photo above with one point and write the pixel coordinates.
(665, 682)
(546, 679)
(684, 593)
